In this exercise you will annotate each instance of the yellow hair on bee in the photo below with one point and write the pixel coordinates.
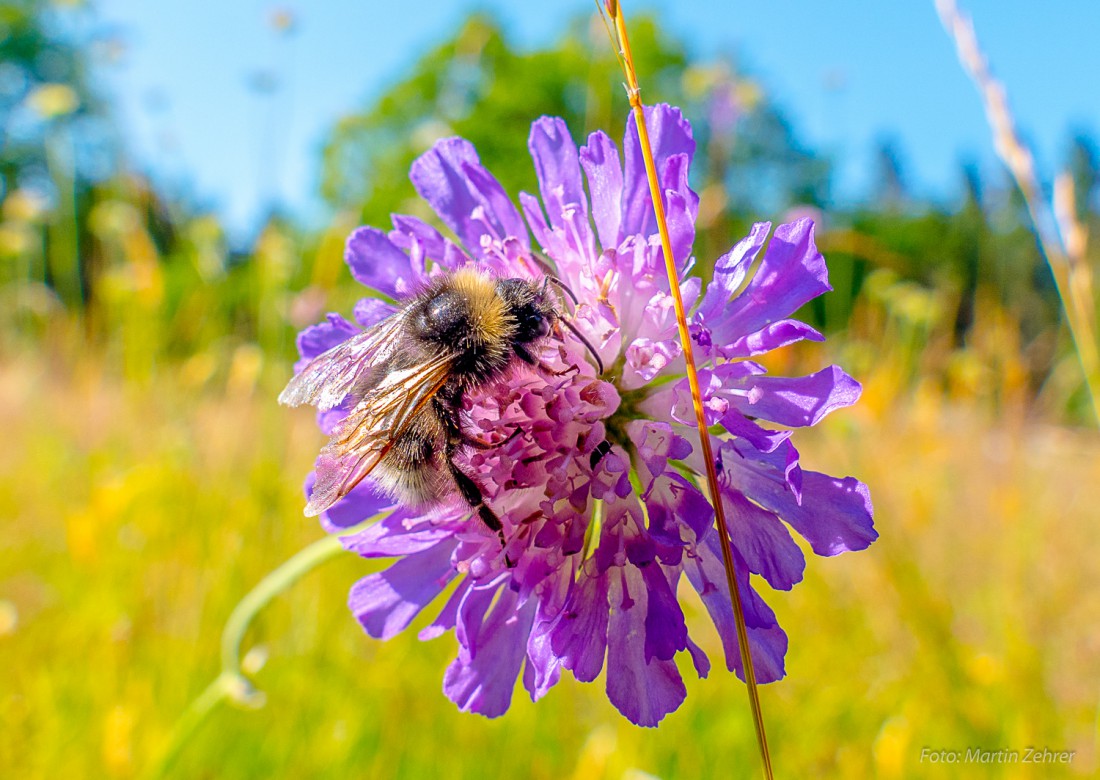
(488, 312)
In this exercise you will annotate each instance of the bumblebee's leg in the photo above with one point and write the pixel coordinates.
(472, 493)
(599, 453)
(466, 486)
(524, 355)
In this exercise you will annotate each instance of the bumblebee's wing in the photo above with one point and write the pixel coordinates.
(369, 431)
(330, 376)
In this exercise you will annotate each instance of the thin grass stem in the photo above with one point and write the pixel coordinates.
(634, 93)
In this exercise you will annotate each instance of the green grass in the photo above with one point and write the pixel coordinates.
(136, 514)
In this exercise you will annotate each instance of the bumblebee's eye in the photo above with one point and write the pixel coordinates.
(533, 325)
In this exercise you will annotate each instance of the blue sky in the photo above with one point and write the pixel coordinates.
(847, 72)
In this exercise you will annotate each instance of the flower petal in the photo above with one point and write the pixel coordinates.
(503, 215)
(729, 272)
(681, 207)
(378, 263)
(774, 336)
(559, 174)
(408, 229)
(643, 692)
(542, 669)
(600, 160)
(834, 515)
(764, 542)
(665, 629)
(579, 635)
(791, 273)
(767, 641)
(466, 197)
(483, 682)
(401, 532)
(669, 135)
(445, 620)
(386, 602)
(798, 401)
(371, 311)
(317, 339)
(672, 500)
(362, 503)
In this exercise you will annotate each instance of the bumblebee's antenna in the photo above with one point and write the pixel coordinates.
(543, 262)
(549, 275)
(583, 340)
(563, 287)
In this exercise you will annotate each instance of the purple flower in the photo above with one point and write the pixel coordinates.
(599, 496)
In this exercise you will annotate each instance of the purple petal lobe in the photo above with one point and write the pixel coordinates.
(600, 159)
(681, 207)
(377, 263)
(665, 630)
(729, 272)
(643, 692)
(414, 228)
(500, 210)
(468, 199)
(557, 167)
(760, 438)
(669, 135)
(671, 500)
(834, 515)
(767, 642)
(579, 635)
(483, 682)
(371, 311)
(699, 659)
(791, 273)
(317, 339)
(386, 602)
(773, 336)
(399, 533)
(799, 401)
(542, 670)
(362, 503)
(764, 542)
(445, 620)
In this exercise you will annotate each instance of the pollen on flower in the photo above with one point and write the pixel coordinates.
(595, 478)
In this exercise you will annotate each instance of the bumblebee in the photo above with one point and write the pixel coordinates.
(405, 379)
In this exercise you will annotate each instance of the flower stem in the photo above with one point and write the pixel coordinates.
(231, 684)
(634, 93)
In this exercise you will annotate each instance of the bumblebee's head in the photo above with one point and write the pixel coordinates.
(531, 306)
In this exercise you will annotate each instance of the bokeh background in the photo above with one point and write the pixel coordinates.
(176, 182)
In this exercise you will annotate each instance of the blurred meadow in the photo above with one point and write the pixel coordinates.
(148, 480)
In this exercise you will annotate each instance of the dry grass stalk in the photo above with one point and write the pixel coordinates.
(626, 60)
(1061, 235)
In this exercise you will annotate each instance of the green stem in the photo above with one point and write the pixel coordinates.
(231, 683)
(271, 586)
(192, 718)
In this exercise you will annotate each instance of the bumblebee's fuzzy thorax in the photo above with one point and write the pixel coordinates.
(484, 321)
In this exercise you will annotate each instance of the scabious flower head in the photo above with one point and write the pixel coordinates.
(599, 537)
